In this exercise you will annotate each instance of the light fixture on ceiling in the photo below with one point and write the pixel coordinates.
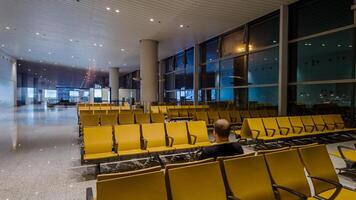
(152, 20)
(7, 27)
(117, 10)
(108, 8)
(95, 44)
(29, 50)
(2, 45)
(72, 56)
(49, 53)
(70, 40)
(122, 49)
(100, 45)
(125, 64)
(181, 26)
(37, 33)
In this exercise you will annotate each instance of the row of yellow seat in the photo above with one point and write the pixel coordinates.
(277, 175)
(104, 112)
(122, 118)
(134, 139)
(277, 128)
(235, 117)
(164, 109)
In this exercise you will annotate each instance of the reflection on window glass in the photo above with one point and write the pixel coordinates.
(233, 43)
(30, 92)
(328, 57)
(189, 69)
(227, 94)
(267, 96)
(50, 94)
(97, 93)
(208, 75)
(179, 79)
(169, 64)
(86, 94)
(233, 72)
(210, 51)
(264, 33)
(189, 95)
(263, 67)
(179, 61)
(170, 97)
(74, 93)
(314, 16)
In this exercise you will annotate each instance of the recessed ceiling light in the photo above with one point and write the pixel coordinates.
(37, 33)
(95, 44)
(49, 53)
(122, 49)
(152, 20)
(71, 40)
(117, 10)
(108, 8)
(125, 64)
(2, 45)
(100, 45)
(29, 50)
(7, 27)
(72, 56)
(109, 62)
(181, 26)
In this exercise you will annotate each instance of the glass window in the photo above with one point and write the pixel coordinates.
(189, 69)
(328, 57)
(179, 62)
(266, 96)
(233, 43)
(314, 16)
(189, 95)
(30, 92)
(320, 98)
(208, 75)
(227, 94)
(210, 50)
(233, 72)
(170, 96)
(169, 81)
(211, 95)
(169, 64)
(264, 32)
(263, 67)
(179, 80)
(74, 93)
(97, 93)
(50, 94)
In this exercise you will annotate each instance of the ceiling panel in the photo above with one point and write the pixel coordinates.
(71, 32)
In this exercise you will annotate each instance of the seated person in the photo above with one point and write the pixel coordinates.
(222, 147)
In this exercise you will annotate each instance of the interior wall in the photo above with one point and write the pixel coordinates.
(8, 78)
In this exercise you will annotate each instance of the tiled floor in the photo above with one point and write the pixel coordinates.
(39, 155)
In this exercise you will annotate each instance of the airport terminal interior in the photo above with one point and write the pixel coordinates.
(177, 99)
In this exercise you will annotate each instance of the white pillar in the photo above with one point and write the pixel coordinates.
(14, 81)
(114, 83)
(148, 72)
(283, 61)
(196, 72)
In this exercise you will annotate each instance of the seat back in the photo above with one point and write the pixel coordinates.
(126, 118)
(245, 114)
(154, 109)
(202, 116)
(128, 136)
(254, 113)
(113, 112)
(319, 122)
(198, 128)
(90, 120)
(98, 139)
(272, 113)
(243, 184)
(200, 181)
(339, 122)
(225, 115)
(137, 111)
(173, 113)
(157, 118)
(125, 111)
(142, 118)
(317, 162)
(85, 112)
(154, 134)
(308, 123)
(213, 116)
(148, 186)
(256, 125)
(283, 122)
(329, 121)
(286, 169)
(235, 117)
(163, 109)
(271, 126)
(263, 113)
(100, 112)
(108, 120)
(297, 124)
(183, 113)
(178, 131)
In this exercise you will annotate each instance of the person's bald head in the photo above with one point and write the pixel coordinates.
(222, 128)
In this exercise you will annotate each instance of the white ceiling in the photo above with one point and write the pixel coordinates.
(88, 22)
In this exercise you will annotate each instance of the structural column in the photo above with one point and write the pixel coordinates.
(114, 83)
(283, 61)
(148, 72)
(196, 73)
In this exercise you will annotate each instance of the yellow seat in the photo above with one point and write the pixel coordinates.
(225, 115)
(264, 113)
(90, 120)
(287, 170)
(272, 128)
(147, 186)
(245, 114)
(126, 118)
(257, 130)
(155, 137)
(213, 116)
(173, 113)
(235, 117)
(309, 124)
(103, 177)
(246, 185)
(108, 120)
(98, 142)
(200, 181)
(157, 118)
(298, 129)
(100, 112)
(321, 170)
(163, 109)
(202, 116)
(198, 130)
(85, 112)
(285, 125)
(254, 113)
(319, 123)
(183, 113)
(154, 109)
(272, 113)
(125, 111)
(128, 139)
(178, 135)
(142, 118)
(113, 112)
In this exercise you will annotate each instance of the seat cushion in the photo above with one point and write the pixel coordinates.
(159, 149)
(95, 156)
(132, 152)
(344, 194)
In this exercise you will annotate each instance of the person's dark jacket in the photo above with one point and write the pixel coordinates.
(223, 149)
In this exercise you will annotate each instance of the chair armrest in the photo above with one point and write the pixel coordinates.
(232, 197)
(313, 127)
(258, 133)
(284, 128)
(298, 194)
(145, 143)
(331, 182)
(89, 193)
(300, 129)
(322, 125)
(116, 147)
(194, 138)
(273, 132)
(340, 149)
(171, 141)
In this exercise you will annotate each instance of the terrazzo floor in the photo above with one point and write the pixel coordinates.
(39, 155)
